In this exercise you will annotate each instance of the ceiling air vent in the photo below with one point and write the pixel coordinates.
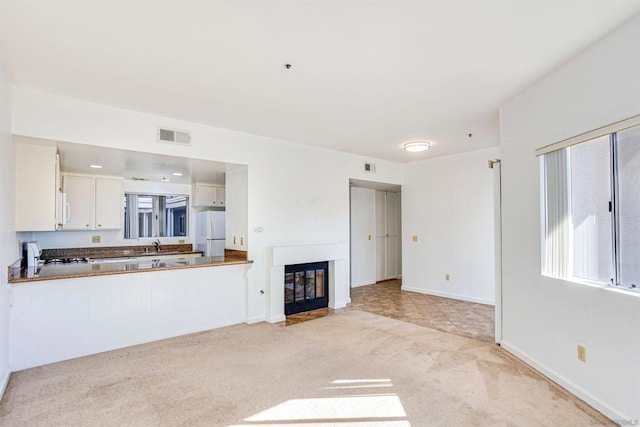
(174, 136)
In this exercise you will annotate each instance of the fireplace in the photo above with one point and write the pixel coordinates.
(337, 275)
(306, 287)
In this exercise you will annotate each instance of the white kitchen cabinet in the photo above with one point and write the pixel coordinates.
(80, 200)
(93, 203)
(109, 195)
(37, 188)
(208, 195)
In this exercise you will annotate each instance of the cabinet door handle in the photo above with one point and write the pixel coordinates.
(99, 225)
(87, 225)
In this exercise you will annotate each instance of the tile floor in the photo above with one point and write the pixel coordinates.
(444, 314)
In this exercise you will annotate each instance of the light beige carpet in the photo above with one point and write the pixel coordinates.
(352, 368)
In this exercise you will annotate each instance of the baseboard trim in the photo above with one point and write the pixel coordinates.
(4, 384)
(276, 319)
(257, 319)
(365, 283)
(341, 304)
(448, 295)
(565, 383)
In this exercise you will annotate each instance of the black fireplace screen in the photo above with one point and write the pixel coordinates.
(306, 287)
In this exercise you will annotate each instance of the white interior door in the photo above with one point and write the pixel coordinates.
(387, 235)
(363, 254)
(392, 239)
(381, 235)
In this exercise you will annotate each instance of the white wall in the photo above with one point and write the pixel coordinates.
(237, 181)
(363, 234)
(8, 247)
(448, 203)
(297, 194)
(544, 319)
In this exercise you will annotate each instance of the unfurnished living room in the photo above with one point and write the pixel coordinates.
(314, 213)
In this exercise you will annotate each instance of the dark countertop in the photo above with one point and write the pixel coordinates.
(117, 251)
(78, 270)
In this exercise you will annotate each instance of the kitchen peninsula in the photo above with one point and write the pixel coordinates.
(81, 308)
(85, 262)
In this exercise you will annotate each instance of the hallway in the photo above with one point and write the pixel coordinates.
(462, 318)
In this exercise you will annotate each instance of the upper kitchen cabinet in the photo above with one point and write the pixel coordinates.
(208, 195)
(109, 203)
(79, 210)
(93, 203)
(37, 188)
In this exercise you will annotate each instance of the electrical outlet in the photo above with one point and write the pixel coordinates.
(95, 239)
(181, 241)
(447, 277)
(414, 238)
(582, 353)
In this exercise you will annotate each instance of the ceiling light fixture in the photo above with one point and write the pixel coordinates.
(95, 166)
(416, 146)
(177, 174)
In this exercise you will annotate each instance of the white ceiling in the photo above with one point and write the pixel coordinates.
(366, 76)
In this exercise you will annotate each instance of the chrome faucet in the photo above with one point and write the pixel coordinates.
(157, 245)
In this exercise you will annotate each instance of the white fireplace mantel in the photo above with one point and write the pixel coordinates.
(335, 253)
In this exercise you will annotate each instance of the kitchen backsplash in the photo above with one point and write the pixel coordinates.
(77, 239)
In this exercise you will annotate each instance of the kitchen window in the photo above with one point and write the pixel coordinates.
(590, 193)
(151, 216)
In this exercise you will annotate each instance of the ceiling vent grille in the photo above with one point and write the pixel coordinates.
(174, 136)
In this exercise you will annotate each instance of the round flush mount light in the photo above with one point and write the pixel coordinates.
(95, 166)
(416, 146)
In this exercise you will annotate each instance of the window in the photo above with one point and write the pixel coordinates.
(147, 215)
(591, 209)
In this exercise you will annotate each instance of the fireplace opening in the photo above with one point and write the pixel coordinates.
(306, 287)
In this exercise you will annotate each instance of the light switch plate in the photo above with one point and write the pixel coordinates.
(414, 238)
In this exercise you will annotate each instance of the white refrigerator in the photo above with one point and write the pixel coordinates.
(210, 230)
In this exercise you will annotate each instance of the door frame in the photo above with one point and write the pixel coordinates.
(497, 230)
(375, 186)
